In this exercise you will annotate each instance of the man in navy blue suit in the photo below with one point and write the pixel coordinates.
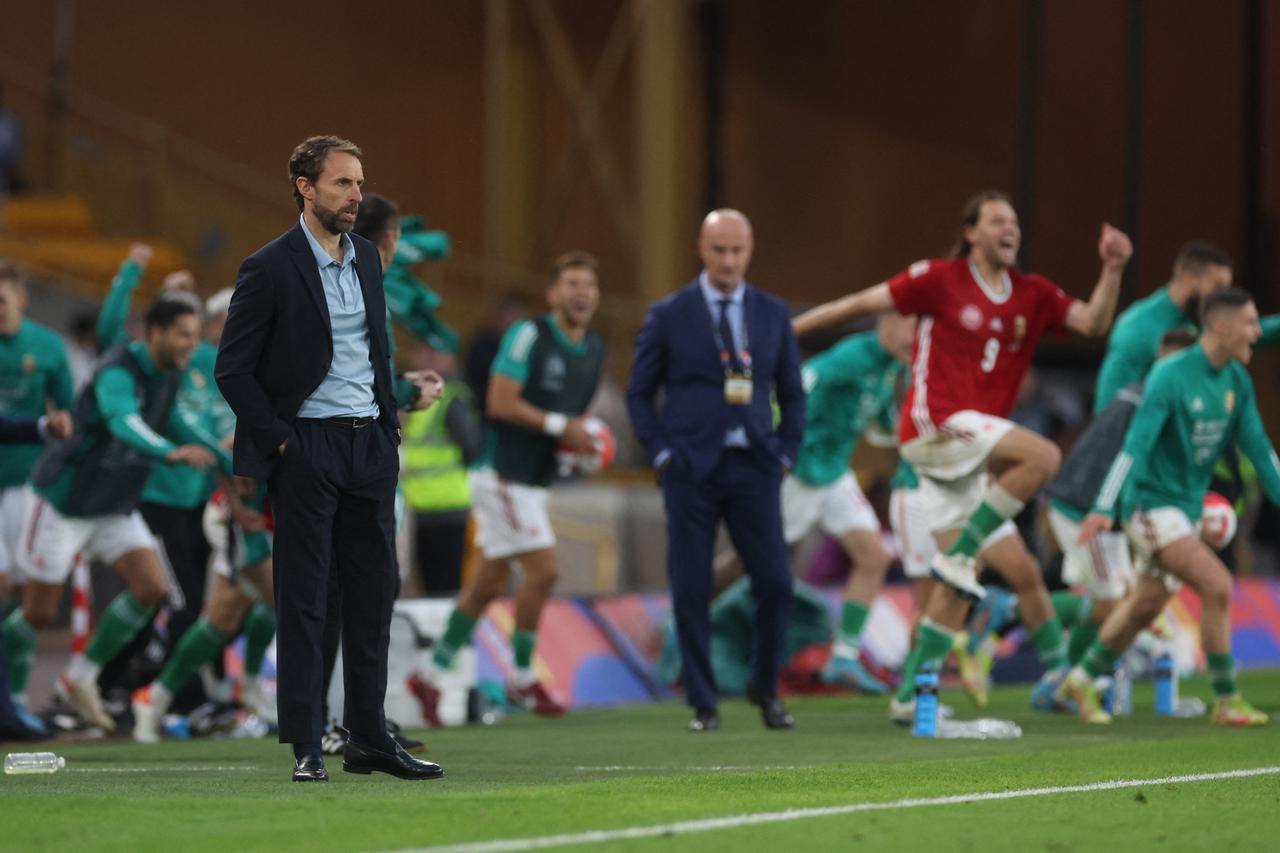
(305, 364)
(719, 348)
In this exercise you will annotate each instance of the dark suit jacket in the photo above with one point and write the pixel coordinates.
(277, 344)
(19, 430)
(676, 352)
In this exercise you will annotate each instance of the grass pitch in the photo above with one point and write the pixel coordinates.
(636, 767)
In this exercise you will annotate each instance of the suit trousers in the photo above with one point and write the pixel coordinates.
(333, 497)
(747, 496)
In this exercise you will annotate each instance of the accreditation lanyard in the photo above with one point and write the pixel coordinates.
(737, 385)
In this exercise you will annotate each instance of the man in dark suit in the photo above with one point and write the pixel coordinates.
(304, 363)
(719, 348)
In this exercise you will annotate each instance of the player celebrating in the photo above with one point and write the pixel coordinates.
(1102, 567)
(87, 491)
(1199, 270)
(847, 387)
(544, 378)
(241, 596)
(980, 320)
(1193, 405)
(34, 375)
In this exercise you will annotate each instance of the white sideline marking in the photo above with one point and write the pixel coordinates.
(601, 836)
(709, 768)
(159, 769)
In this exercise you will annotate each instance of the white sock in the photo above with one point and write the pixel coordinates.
(161, 698)
(1003, 502)
(524, 677)
(844, 650)
(83, 671)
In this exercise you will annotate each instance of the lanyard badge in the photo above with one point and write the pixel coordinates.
(738, 386)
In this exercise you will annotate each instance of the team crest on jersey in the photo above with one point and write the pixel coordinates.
(971, 317)
(553, 373)
(1229, 401)
(28, 364)
(1197, 405)
(1020, 327)
(918, 269)
(198, 380)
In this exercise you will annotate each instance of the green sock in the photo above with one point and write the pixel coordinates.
(996, 508)
(522, 643)
(853, 616)
(259, 629)
(1222, 669)
(932, 644)
(120, 623)
(1082, 637)
(1049, 643)
(1071, 608)
(20, 641)
(1099, 660)
(199, 645)
(457, 633)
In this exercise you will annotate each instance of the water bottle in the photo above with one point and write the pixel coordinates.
(1121, 693)
(926, 719)
(16, 763)
(1166, 686)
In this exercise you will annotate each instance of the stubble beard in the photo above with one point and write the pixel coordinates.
(332, 221)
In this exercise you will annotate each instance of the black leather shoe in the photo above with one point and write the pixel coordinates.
(359, 758)
(310, 768)
(705, 721)
(773, 713)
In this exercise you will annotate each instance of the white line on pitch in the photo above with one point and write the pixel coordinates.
(601, 836)
(710, 768)
(157, 769)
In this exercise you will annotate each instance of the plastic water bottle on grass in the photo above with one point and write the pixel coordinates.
(1119, 696)
(1166, 686)
(21, 763)
(926, 719)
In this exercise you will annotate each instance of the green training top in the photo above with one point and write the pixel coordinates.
(556, 375)
(115, 409)
(846, 387)
(33, 372)
(1133, 343)
(1189, 412)
(199, 401)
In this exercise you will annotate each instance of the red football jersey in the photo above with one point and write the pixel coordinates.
(973, 346)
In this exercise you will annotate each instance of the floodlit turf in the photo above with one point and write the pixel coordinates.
(637, 767)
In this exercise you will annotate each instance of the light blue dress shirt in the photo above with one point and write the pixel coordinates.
(735, 436)
(347, 389)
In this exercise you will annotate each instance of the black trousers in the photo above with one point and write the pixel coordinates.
(181, 534)
(333, 496)
(440, 548)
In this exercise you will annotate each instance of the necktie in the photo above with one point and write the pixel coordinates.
(726, 335)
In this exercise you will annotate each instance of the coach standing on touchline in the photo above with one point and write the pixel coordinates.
(304, 363)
